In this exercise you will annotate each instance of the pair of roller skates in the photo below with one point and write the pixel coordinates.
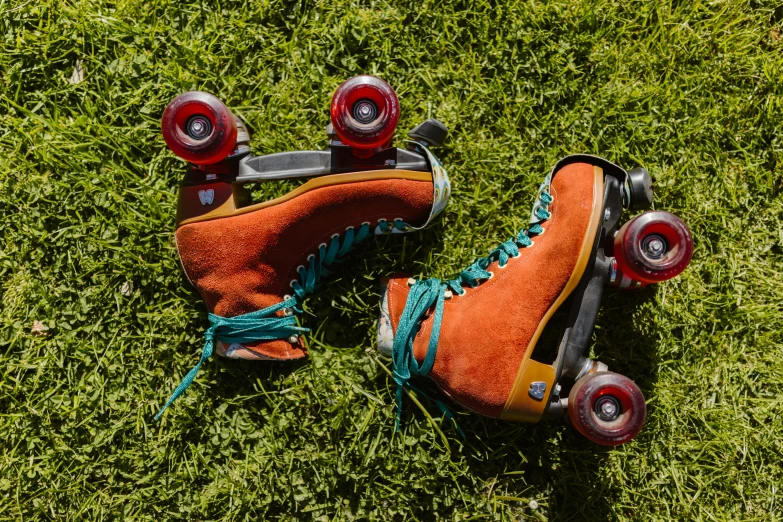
(477, 335)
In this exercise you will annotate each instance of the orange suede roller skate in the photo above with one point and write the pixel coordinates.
(253, 264)
(476, 336)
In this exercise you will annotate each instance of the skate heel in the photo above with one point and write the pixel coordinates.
(205, 196)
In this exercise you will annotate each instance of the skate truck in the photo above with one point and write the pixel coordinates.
(254, 263)
(479, 336)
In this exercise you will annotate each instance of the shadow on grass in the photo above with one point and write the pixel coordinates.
(553, 458)
(519, 462)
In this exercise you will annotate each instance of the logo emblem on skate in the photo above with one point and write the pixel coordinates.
(537, 390)
(206, 196)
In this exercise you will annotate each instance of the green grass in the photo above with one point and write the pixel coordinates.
(691, 90)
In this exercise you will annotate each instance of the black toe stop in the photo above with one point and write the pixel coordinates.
(432, 132)
(640, 185)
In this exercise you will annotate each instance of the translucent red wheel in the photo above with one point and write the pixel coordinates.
(607, 408)
(365, 112)
(199, 128)
(653, 247)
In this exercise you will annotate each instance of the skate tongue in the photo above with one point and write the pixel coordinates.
(385, 330)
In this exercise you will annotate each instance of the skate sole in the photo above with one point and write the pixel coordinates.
(228, 208)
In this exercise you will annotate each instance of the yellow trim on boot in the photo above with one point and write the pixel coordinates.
(520, 406)
(229, 207)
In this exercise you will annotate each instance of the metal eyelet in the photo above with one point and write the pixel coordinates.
(336, 236)
(491, 275)
(448, 294)
(287, 311)
(411, 281)
(322, 245)
(551, 197)
(292, 283)
(293, 339)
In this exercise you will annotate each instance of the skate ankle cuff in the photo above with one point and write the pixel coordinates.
(260, 325)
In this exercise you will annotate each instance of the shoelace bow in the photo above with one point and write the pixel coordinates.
(431, 294)
(264, 325)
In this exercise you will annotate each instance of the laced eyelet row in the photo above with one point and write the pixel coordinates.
(430, 294)
(399, 224)
(473, 276)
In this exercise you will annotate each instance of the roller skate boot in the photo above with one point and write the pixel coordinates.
(477, 335)
(254, 264)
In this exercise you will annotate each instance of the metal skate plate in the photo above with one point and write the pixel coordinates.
(338, 159)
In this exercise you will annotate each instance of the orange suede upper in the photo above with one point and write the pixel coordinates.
(246, 262)
(486, 331)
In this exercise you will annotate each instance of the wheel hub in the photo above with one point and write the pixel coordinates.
(654, 246)
(198, 127)
(365, 111)
(607, 408)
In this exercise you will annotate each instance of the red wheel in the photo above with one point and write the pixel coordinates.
(607, 408)
(653, 247)
(365, 112)
(199, 128)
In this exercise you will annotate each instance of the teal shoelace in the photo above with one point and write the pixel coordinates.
(265, 325)
(432, 293)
